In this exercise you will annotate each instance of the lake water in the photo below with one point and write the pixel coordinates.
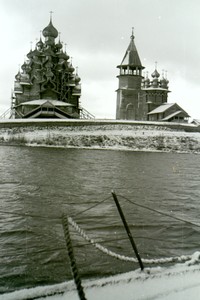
(38, 185)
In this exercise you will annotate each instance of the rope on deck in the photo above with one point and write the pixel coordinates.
(181, 258)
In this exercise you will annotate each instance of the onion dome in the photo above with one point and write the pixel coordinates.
(77, 78)
(63, 55)
(24, 67)
(35, 53)
(155, 82)
(167, 81)
(40, 44)
(71, 68)
(71, 81)
(18, 76)
(30, 54)
(66, 55)
(59, 45)
(163, 83)
(146, 81)
(50, 31)
(28, 68)
(142, 84)
(77, 90)
(155, 74)
(24, 78)
(59, 66)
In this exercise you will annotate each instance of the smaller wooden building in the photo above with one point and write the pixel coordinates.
(196, 122)
(168, 112)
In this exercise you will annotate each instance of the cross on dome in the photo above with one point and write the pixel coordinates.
(132, 34)
(51, 13)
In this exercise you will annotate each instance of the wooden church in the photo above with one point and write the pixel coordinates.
(143, 98)
(47, 85)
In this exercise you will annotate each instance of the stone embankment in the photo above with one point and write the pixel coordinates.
(102, 134)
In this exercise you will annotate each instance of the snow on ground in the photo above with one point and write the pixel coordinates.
(180, 282)
(103, 135)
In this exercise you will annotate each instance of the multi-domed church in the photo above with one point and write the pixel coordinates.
(47, 85)
(143, 98)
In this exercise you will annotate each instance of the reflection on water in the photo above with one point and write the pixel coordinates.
(38, 184)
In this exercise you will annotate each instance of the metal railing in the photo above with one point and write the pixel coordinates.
(84, 114)
(6, 113)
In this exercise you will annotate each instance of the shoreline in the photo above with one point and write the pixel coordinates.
(102, 134)
(99, 148)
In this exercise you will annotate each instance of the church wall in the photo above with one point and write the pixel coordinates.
(131, 105)
(156, 97)
(130, 81)
(119, 108)
(34, 92)
(143, 107)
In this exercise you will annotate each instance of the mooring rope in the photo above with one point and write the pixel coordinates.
(75, 273)
(181, 258)
(161, 212)
(93, 206)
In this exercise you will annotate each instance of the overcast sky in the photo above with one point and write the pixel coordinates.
(97, 34)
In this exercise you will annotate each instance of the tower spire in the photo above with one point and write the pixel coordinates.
(51, 13)
(132, 34)
(131, 58)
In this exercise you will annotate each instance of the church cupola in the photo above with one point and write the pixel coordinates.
(131, 63)
(155, 75)
(164, 82)
(146, 81)
(50, 33)
(59, 45)
(40, 45)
